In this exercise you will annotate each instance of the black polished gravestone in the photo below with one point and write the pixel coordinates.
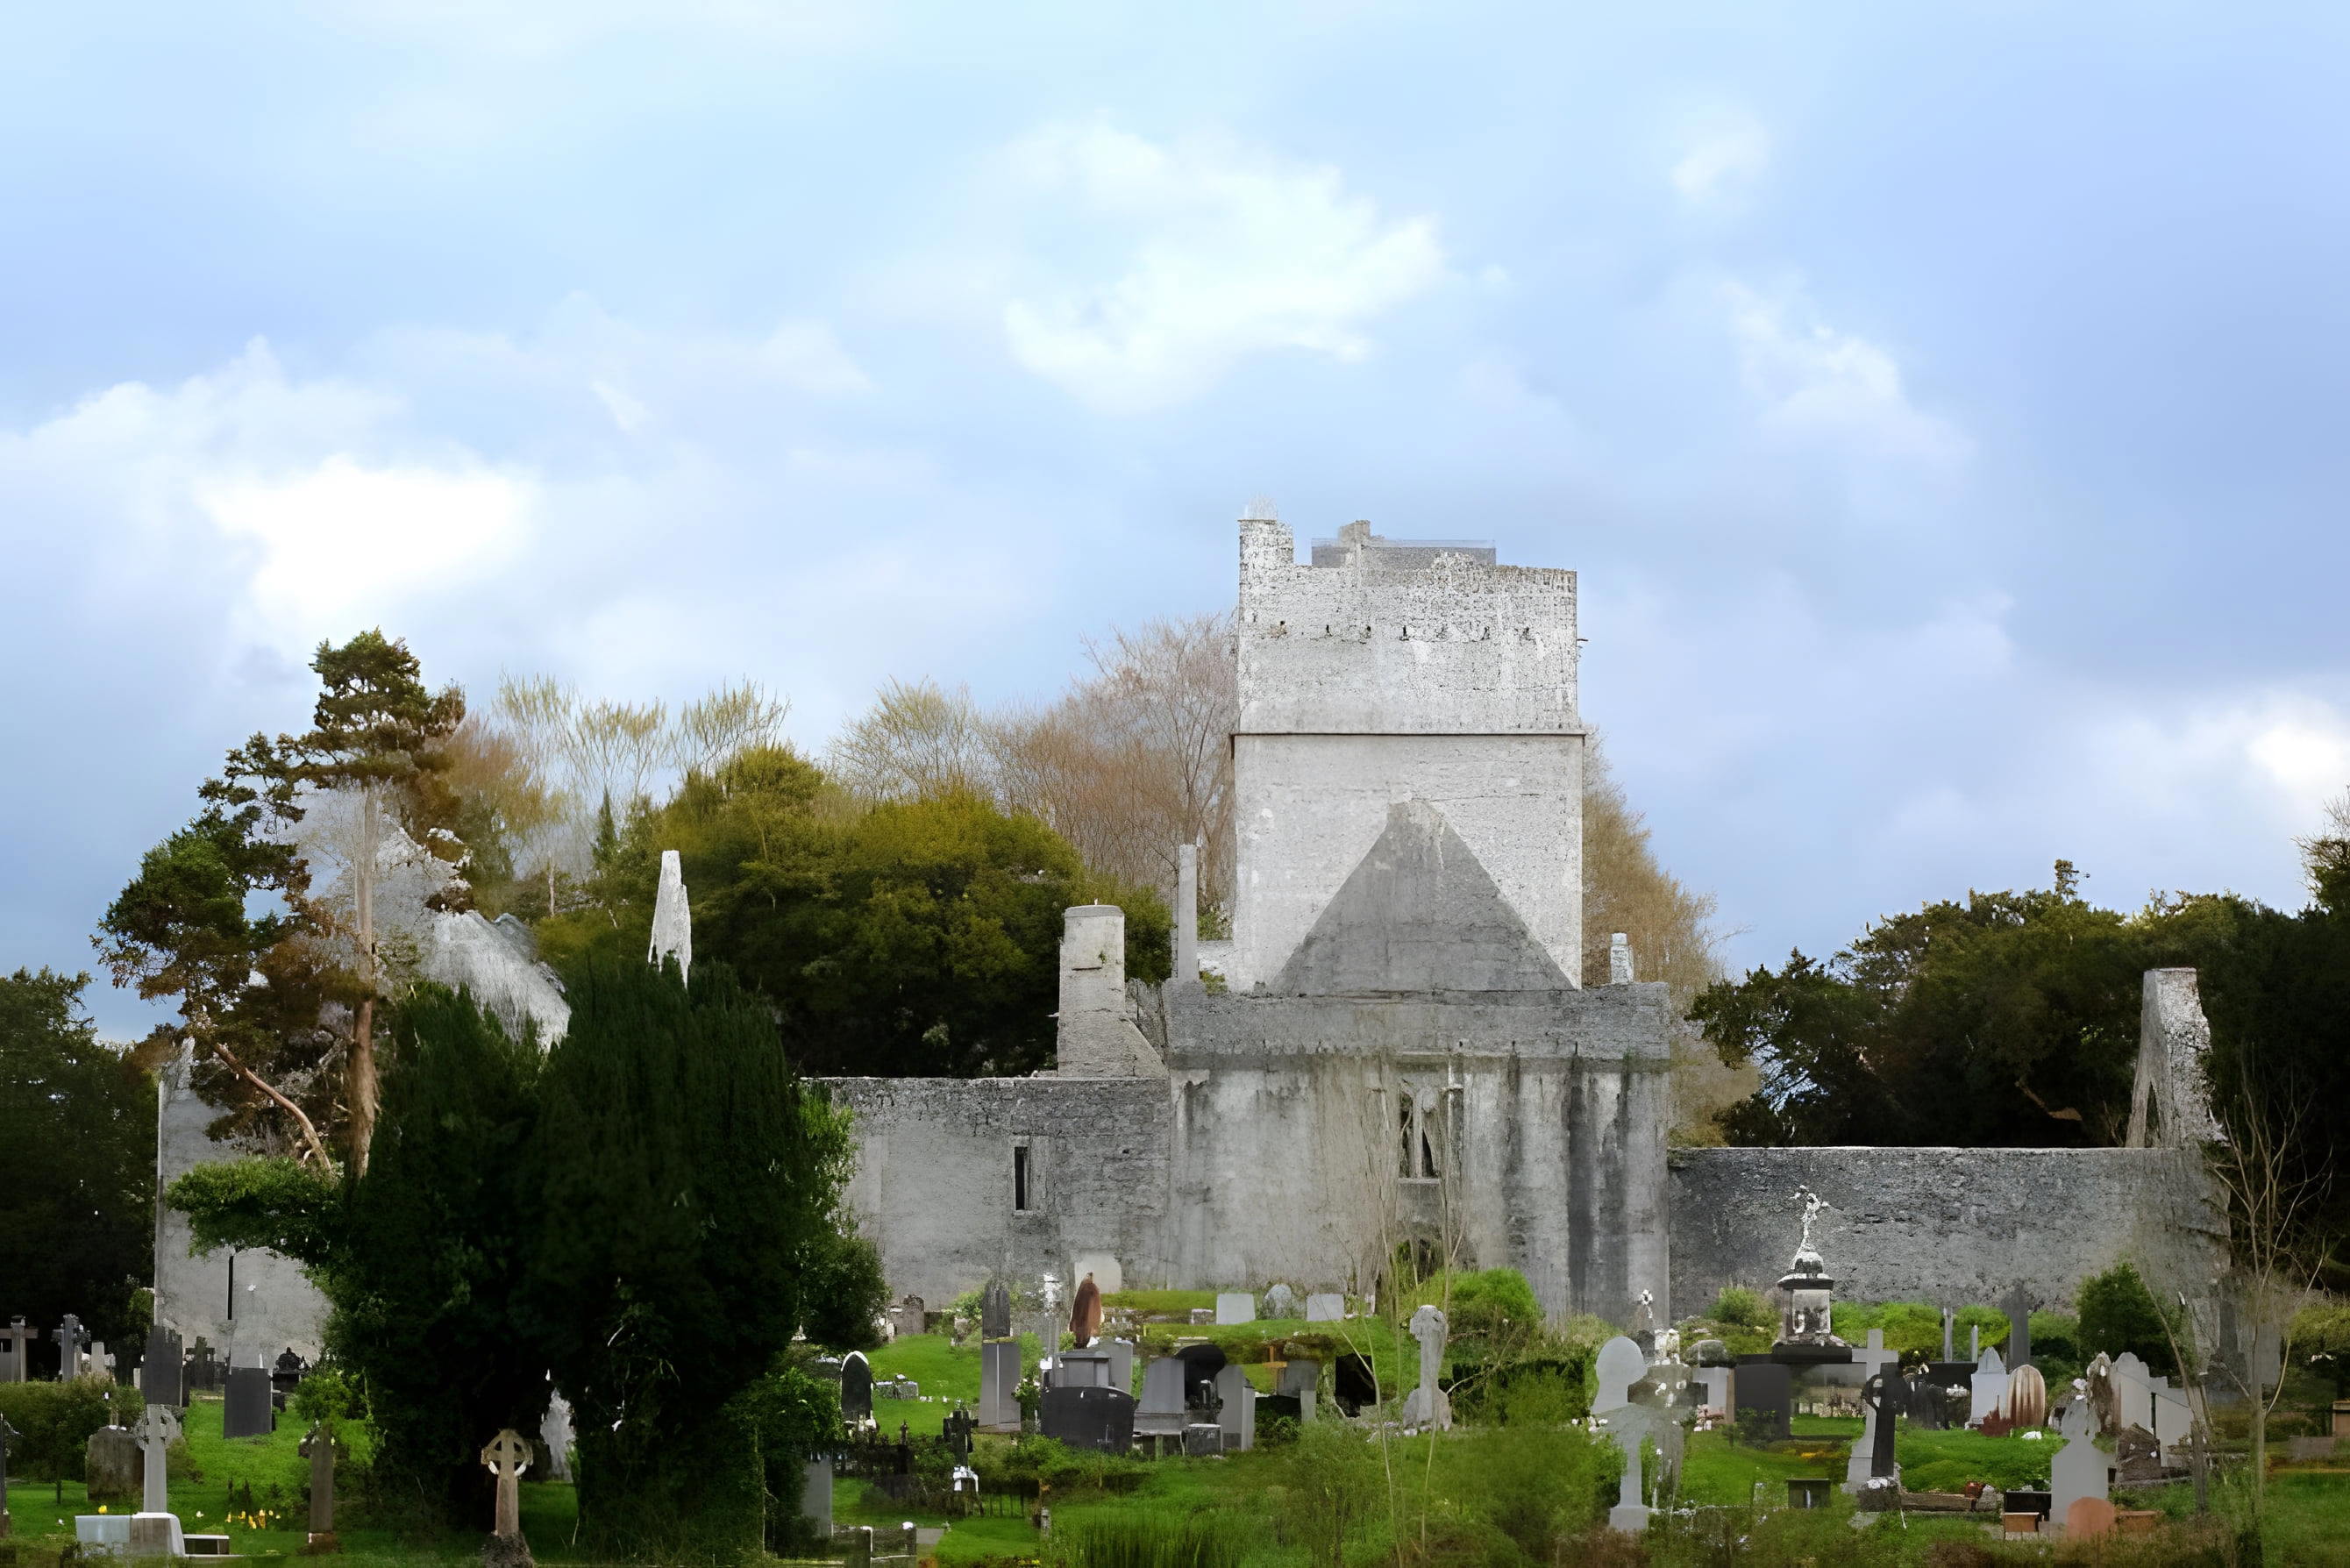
(1088, 1415)
(1763, 1395)
(203, 1370)
(1888, 1394)
(161, 1378)
(248, 1411)
(1352, 1384)
(856, 1387)
(1200, 1365)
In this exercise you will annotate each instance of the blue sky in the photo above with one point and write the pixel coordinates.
(1942, 405)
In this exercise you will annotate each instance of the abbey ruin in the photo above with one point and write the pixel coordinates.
(1397, 1047)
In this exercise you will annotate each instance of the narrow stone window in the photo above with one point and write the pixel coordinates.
(1406, 1162)
(1021, 1192)
(1429, 1137)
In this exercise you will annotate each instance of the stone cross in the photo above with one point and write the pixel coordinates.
(321, 1449)
(69, 1338)
(2080, 1466)
(1427, 1405)
(1949, 1320)
(16, 1340)
(2018, 1329)
(8, 1435)
(507, 1457)
(157, 1430)
(1882, 1366)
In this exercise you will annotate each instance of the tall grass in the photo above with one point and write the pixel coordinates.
(1153, 1538)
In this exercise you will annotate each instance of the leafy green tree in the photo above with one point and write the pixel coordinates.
(2118, 1314)
(76, 1160)
(917, 936)
(422, 1256)
(688, 1191)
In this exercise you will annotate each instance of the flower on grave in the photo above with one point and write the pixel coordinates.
(101, 1508)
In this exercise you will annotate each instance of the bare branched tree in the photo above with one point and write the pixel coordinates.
(918, 739)
(726, 723)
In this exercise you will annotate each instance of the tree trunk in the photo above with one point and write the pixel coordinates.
(359, 1086)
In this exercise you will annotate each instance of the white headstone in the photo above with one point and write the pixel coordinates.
(1237, 1417)
(2080, 1466)
(672, 919)
(1160, 1413)
(1620, 1365)
(1990, 1387)
(1280, 1302)
(1235, 1306)
(1427, 1405)
(1329, 1307)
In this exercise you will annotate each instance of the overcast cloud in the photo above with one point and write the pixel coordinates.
(1944, 411)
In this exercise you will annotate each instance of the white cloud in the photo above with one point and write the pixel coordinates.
(1814, 382)
(340, 536)
(1207, 252)
(1721, 161)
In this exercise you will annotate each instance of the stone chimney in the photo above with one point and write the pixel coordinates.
(1096, 1036)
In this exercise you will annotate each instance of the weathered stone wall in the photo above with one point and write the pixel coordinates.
(1945, 1225)
(277, 1308)
(935, 1173)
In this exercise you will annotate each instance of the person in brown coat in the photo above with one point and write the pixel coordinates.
(1085, 1314)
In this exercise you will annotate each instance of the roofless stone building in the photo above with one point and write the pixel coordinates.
(1397, 1045)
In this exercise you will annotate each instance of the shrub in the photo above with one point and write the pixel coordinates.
(2119, 1314)
(1737, 1307)
(54, 1421)
(1156, 1538)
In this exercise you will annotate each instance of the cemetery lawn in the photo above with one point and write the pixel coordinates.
(1717, 1471)
(205, 1465)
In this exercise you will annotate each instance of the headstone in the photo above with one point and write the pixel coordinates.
(2079, 1469)
(1121, 1363)
(1327, 1307)
(288, 1375)
(1621, 1364)
(555, 1437)
(999, 1384)
(909, 1317)
(8, 1435)
(318, 1447)
(1280, 1302)
(1162, 1412)
(1763, 1397)
(1085, 1314)
(154, 1534)
(1353, 1385)
(995, 1311)
(16, 1344)
(507, 1456)
(2087, 1518)
(816, 1496)
(203, 1369)
(157, 1430)
(1714, 1403)
(1084, 1369)
(856, 1387)
(1619, 959)
(1950, 1322)
(1880, 1396)
(248, 1411)
(2018, 1330)
(110, 1464)
(1237, 1411)
(1989, 1391)
(161, 1377)
(1048, 1327)
(1427, 1405)
(2026, 1405)
(1087, 1416)
(1301, 1379)
(1203, 1439)
(70, 1340)
(1235, 1306)
(1974, 1342)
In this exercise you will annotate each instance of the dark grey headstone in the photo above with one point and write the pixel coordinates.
(1765, 1393)
(160, 1377)
(112, 1466)
(1201, 1440)
(1200, 1365)
(248, 1411)
(995, 1311)
(203, 1368)
(1888, 1393)
(2018, 1329)
(1087, 1416)
(288, 1374)
(856, 1386)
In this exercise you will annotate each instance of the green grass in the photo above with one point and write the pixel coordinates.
(1715, 1470)
(1153, 1301)
(207, 1464)
(986, 1539)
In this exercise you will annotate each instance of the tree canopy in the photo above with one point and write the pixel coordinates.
(77, 1161)
(912, 936)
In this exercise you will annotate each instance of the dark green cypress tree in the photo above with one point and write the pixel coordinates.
(688, 1188)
